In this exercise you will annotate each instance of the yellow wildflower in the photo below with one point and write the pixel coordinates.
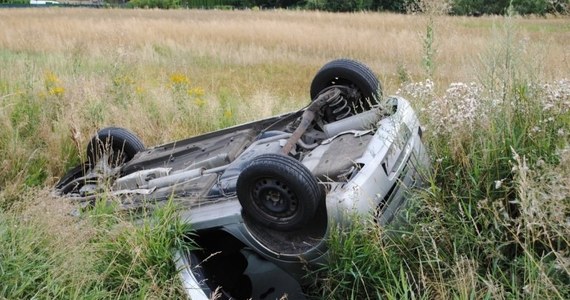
(50, 78)
(228, 114)
(57, 91)
(196, 92)
(199, 102)
(139, 90)
(122, 80)
(179, 79)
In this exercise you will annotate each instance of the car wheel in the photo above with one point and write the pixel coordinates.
(279, 192)
(119, 144)
(359, 86)
(69, 177)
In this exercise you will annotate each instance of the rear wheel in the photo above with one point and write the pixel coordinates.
(117, 145)
(279, 192)
(359, 87)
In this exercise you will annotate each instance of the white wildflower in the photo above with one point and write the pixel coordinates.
(498, 183)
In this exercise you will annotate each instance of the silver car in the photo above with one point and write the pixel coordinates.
(261, 196)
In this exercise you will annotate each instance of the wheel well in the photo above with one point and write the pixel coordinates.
(223, 265)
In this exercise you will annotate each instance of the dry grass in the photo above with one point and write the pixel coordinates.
(252, 38)
(99, 56)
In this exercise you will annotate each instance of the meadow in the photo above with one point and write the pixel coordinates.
(492, 92)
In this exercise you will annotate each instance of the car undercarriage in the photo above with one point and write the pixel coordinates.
(262, 196)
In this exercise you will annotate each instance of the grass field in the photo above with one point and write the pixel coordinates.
(492, 92)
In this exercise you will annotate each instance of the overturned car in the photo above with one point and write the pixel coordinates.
(261, 196)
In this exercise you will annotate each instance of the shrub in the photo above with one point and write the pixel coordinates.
(340, 5)
(523, 7)
(165, 4)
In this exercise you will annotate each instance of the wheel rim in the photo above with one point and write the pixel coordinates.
(274, 198)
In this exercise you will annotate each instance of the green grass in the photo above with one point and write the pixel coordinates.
(101, 256)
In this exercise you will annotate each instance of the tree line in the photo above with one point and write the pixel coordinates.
(455, 7)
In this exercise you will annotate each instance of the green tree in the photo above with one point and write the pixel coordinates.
(525, 7)
(479, 7)
(390, 5)
(165, 4)
(340, 5)
(14, 2)
(499, 7)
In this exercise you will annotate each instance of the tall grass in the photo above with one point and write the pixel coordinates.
(48, 254)
(493, 222)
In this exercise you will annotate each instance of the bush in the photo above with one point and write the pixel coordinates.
(340, 5)
(14, 2)
(499, 7)
(526, 7)
(479, 7)
(164, 4)
(400, 6)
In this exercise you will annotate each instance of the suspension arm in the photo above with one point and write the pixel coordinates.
(308, 117)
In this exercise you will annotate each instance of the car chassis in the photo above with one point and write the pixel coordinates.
(262, 196)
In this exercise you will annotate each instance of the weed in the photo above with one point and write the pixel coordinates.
(481, 208)
(428, 58)
(364, 263)
(99, 256)
(402, 73)
(137, 259)
(432, 9)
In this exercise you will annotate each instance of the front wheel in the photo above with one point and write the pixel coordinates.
(279, 192)
(359, 86)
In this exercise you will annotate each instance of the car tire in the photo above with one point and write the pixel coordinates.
(71, 175)
(278, 192)
(119, 143)
(352, 74)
